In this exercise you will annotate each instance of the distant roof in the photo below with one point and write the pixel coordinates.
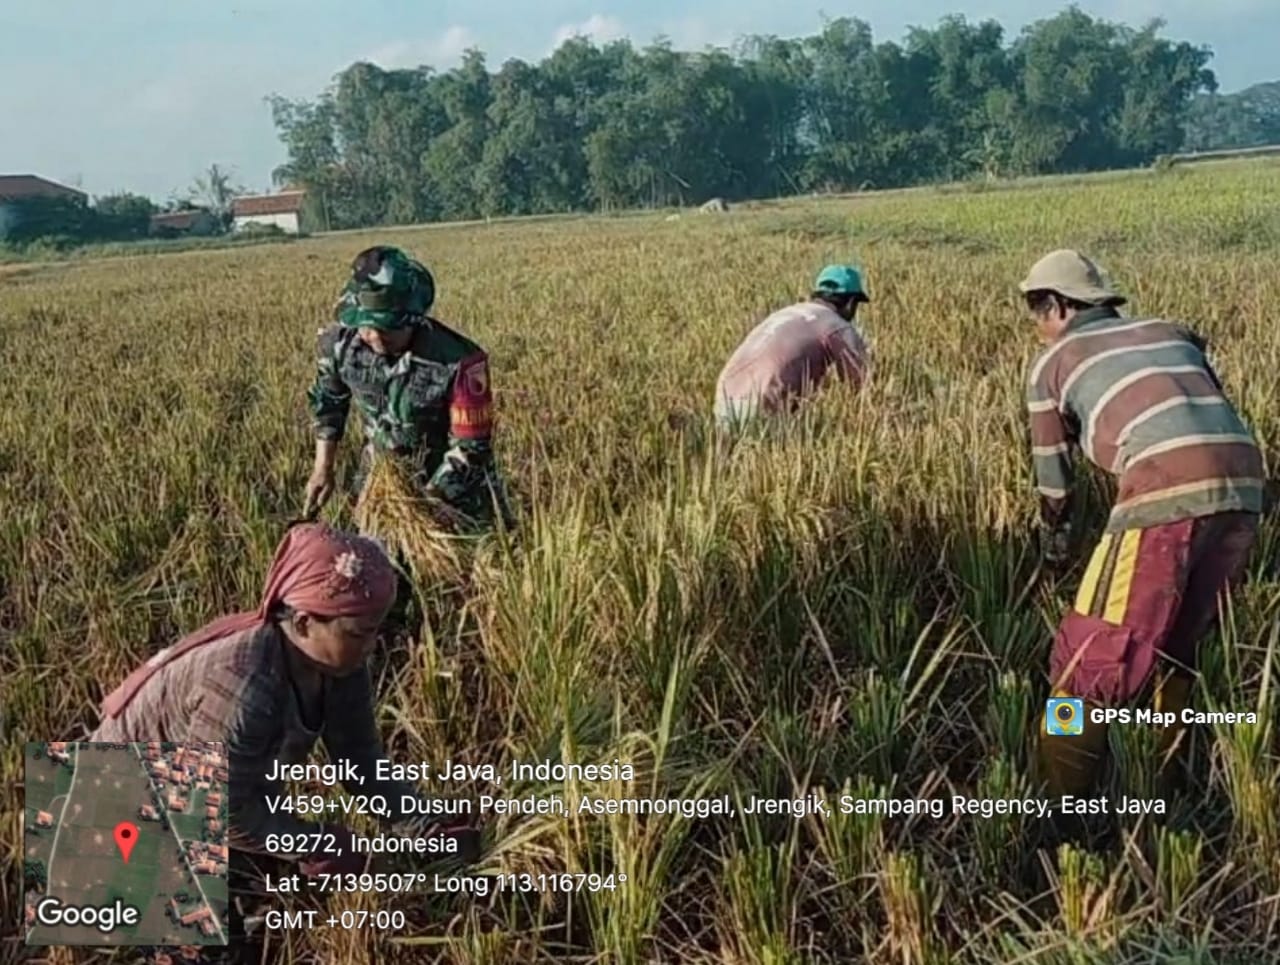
(13, 186)
(178, 219)
(286, 202)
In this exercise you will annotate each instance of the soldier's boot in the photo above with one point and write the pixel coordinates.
(1173, 696)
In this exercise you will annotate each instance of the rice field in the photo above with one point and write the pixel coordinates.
(836, 608)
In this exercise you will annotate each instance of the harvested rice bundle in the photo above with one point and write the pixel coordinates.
(421, 532)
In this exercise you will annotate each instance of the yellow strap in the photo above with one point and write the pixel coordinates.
(1093, 572)
(1122, 577)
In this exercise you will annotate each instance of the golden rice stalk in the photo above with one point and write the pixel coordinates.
(419, 530)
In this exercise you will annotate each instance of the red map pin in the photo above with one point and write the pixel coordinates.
(126, 837)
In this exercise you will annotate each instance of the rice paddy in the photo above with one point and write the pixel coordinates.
(835, 609)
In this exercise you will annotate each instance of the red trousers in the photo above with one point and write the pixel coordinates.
(1147, 594)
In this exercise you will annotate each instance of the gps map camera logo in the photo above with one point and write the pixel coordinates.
(1064, 716)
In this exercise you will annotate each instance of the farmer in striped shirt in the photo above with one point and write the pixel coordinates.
(1139, 399)
(272, 682)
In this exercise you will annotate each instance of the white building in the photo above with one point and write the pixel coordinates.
(284, 210)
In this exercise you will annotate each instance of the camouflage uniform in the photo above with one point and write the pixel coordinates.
(431, 408)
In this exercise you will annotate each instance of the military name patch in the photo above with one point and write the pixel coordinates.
(471, 422)
(471, 401)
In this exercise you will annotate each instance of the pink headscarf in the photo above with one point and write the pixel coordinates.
(317, 570)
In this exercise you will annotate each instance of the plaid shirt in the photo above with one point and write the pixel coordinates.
(237, 690)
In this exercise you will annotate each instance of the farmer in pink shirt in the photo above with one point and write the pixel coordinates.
(795, 350)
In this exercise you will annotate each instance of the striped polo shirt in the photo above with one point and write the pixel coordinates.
(1142, 402)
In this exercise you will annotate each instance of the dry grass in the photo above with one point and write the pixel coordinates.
(831, 609)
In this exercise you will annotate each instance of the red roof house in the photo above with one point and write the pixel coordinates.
(14, 187)
(284, 210)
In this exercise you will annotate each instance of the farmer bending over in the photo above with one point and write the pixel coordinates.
(791, 353)
(1141, 401)
(272, 682)
(422, 389)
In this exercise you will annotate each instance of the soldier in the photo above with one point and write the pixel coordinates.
(1141, 401)
(422, 390)
(791, 353)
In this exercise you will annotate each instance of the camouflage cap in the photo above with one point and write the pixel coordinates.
(386, 288)
(1071, 275)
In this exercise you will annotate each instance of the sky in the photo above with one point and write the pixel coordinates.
(143, 95)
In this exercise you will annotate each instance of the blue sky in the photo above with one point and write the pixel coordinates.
(142, 95)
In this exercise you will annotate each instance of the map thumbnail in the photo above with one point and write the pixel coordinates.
(125, 844)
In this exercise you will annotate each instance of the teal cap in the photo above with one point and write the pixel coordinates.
(840, 280)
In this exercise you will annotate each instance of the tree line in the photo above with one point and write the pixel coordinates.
(612, 126)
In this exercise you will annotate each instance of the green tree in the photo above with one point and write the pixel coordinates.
(214, 190)
(844, 99)
(34, 874)
(122, 217)
(453, 159)
(969, 71)
(1161, 79)
(307, 130)
(776, 73)
(60, 221)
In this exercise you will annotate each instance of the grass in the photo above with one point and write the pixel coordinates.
(828, 610)
(12, 257)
